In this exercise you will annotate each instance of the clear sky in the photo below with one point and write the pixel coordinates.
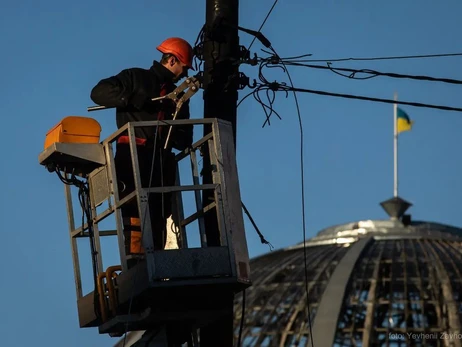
(54, 52)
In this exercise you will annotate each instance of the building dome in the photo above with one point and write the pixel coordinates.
(371, 283)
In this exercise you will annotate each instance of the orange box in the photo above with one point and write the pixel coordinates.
(74, 129)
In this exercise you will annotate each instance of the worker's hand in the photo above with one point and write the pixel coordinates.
(182, 138)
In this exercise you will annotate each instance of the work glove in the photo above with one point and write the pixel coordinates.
(182, 137)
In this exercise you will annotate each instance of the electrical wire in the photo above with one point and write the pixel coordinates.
(366, 98)
(374, 73)
(302, 181)
(246, 211)
(264, 21)
(262, 238)
(85, 204)
(265, 87)
(275, 61)
(245, 97)
(373, 58)
(267, 108)
(198, 49)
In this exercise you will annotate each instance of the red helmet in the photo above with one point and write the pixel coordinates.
(179, 48)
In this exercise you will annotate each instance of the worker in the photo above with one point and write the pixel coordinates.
(131, 92)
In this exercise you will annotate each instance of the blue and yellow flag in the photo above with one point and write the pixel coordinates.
(403, 122)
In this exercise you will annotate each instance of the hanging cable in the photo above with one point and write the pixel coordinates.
(267, 107)
(302, 181)
(85, 204)
(246, 211)
(262, 238)
(267, 89)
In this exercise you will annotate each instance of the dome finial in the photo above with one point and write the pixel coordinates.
(395, 207)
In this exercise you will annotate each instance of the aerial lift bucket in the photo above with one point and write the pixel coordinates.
(184, 285)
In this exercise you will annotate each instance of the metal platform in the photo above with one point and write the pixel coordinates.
(164, 284)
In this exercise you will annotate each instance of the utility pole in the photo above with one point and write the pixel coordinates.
(220, 52)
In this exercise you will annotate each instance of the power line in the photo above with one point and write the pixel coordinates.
(264, 21)
(373, 58)
(360, 97)
(276, 61)
(375, 73)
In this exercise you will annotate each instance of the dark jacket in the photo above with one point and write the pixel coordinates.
(130, 92)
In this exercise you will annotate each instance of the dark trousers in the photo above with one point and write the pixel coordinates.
(163, 173)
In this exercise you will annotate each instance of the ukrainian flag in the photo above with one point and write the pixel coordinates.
(403, 122)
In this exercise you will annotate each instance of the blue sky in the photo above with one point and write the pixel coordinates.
(54, 52)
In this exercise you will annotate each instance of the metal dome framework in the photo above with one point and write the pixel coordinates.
(370, 283)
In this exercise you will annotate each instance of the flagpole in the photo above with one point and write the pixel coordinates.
(395, 145)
